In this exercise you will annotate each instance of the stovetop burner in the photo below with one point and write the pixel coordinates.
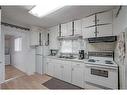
(92, 60)
(108, 62)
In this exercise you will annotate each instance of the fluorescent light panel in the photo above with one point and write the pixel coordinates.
(41, 10)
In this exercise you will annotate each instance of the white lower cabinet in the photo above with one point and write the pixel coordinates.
(63, 70)
(58, 70)
(49, 68)
(78, 74)
(68, 71)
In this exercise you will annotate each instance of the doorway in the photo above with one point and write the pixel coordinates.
(11, 72)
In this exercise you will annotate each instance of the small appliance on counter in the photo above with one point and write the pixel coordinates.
(81, 54)
(53, 52)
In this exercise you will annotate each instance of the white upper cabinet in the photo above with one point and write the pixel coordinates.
(69, 29)
(104, 30)
(78, 27)
(102, 27)
(88, 32)
(63, 29)
(34, 38)
(53, 34)
(104, 18)
(89, 21)
(66, 29)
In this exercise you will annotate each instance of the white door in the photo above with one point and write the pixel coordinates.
(78, 27)
(39, 64)
(88, 32)
(104, 30)
(58, 70)
(50, 68)
(66, 75)
(63, 29)
(105, 17)
(69, 29)
(89, 21)
(78, 74)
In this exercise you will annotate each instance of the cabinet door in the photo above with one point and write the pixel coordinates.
(104, 30)
(88, 32)
(78, 74)
(63, 29)
(53, 38)
(58, 70)
(105, 17)
(66, 73)
(69, 29)
(89, 21)
(78, 27)
(50, 68)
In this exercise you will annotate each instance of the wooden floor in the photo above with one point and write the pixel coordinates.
(27, 82)
(12, 72)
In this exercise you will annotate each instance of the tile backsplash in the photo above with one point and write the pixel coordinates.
(101, 46)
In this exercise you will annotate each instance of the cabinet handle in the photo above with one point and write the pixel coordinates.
(78, 64)
(72, 69)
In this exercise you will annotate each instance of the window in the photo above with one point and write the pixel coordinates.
(66, 46)
(18, 44)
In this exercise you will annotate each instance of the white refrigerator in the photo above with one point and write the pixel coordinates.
(39, 67)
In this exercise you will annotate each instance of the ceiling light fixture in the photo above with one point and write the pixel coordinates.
(41, 10)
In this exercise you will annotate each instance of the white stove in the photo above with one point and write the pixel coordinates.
(102, 61)
(101, 72)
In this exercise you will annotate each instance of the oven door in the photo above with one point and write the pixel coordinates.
(101, 77)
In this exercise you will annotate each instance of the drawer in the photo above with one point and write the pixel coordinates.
(77, 64)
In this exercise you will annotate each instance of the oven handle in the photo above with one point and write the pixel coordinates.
(89, 66)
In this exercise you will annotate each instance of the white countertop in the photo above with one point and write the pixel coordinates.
(65, 59)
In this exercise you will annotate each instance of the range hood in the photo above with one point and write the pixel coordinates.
(102, 39)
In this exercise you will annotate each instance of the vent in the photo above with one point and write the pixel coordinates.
(102, 39)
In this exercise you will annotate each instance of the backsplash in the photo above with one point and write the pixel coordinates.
(100, 46)
(77, 45)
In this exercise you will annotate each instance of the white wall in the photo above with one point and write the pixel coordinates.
(119, 24)
(25, 60)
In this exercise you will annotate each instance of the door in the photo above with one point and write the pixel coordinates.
(58, 70)
(50, 68)
(89, 21)
(66, 73)
(105, 17)
(77, 27)
(63, 29)
(104, 30)
(39, 64)
(88, 32)
(78, 74)
(69, 29)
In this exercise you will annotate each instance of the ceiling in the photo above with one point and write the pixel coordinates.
(19, 15)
